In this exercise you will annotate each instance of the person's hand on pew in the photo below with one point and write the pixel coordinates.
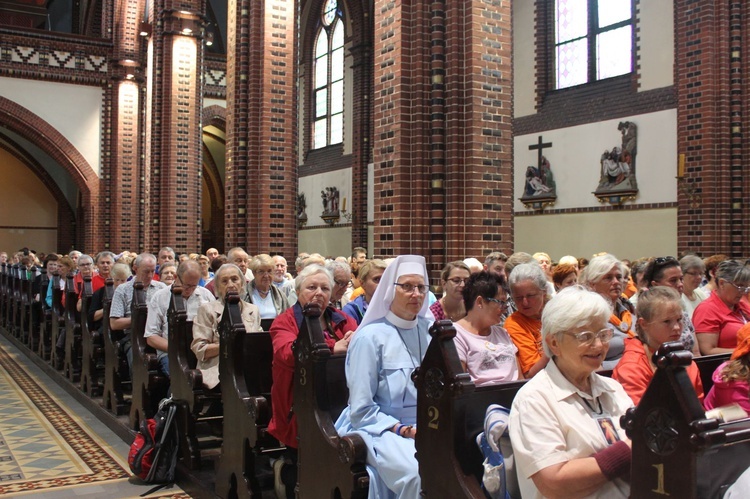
(342, 345)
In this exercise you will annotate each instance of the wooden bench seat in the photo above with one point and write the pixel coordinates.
(116, 370)
(245, 374)
(72, 348)
(329, 465)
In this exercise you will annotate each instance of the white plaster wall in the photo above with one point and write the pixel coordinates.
(73, 110)
(575, 159)
(334, 241)
(656, 53)
(626, 234)
(524, 83)
(208, 102)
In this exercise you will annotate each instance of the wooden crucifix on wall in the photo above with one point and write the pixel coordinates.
(539, 185)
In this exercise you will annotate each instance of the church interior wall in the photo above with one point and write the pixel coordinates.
(575, 159)
(626, 234)
(656, 45)
(316, 235)
(28, 207)
(524, 88)
(209, 101)
(73, 110)
(333, 241)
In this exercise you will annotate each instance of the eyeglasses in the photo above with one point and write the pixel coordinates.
(529, 297)
(502, 303)
(410, 288)
(262, 272)
(742, 289)
(586, 338)
(694, 274)
(458, 281)
(341, 284)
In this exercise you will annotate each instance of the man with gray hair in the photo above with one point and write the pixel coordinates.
(188, 277)
(119, 312)
(286, 286)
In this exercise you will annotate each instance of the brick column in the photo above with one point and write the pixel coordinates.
(122, 194)
(443, 146)
(261, 178)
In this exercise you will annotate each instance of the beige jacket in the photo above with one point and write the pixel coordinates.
(206, 332)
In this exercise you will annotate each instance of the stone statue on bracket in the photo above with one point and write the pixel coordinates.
(301, 207)
(617, 179)
(330, 198)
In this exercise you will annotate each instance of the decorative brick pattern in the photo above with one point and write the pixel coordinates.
(597, 209)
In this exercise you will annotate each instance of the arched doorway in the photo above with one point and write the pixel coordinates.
(213, 172)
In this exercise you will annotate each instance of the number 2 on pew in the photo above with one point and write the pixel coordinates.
(434, 415)
(660, 480)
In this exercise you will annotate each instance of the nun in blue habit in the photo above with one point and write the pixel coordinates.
(387, 347)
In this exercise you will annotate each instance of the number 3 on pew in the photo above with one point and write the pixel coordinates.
(302, 376)
(660, 480)
(434, 415)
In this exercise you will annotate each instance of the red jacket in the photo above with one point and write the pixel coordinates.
(284, 332)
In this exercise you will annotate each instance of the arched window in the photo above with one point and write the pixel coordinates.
(593, 40)
(328, 84)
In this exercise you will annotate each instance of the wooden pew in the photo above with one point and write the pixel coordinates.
(26, 299)
(245, 373)
(149, 384)
(72, 349)
(58, 322)
(92, 348)
(4, 294)
(676, 450)
(116, 369)
(329, 465)
(707, 364)
(38, 289)
(450, 415)
(194, 403)
(15, 301)
(45, 328)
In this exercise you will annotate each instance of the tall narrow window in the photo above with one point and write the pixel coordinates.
(593, 40)
(328, 77)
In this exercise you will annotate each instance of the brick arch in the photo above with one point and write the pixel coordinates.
(35, 129)
(215, 115)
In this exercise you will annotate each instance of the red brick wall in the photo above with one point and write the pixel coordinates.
(261, 177)
(443, 141)
(711, 72)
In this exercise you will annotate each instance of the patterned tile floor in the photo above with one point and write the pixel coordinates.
(51, 447)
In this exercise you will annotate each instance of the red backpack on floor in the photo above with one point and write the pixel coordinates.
(153, 454)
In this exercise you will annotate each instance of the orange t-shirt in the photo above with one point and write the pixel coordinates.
(526, 334)
(634, 372)
(358, 291)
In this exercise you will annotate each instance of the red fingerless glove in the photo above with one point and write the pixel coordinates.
(614, 461)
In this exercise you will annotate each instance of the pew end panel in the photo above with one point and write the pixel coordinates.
(72, 345)
(245, 374)
(116, 368)
(148, 383)
(197, 407)
(676, 450)
(320, 394)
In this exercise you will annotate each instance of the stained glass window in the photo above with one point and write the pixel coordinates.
(329, 78)
(593, 40)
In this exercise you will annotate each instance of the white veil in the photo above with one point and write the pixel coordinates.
(383, 297)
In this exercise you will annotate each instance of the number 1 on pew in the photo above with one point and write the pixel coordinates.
(660, 480)
(434, 415)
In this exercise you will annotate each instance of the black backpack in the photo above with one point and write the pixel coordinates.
(153, 454)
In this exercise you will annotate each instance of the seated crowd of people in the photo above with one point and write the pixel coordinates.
(582, 331)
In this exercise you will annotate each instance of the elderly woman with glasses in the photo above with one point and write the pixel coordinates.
(262, 293)
(565, 422)
(605, 275)
(721, 315)
(388, 346)
(485, 349)
(451, 305)
(528, 288)
(693, 269)
(660, 319)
